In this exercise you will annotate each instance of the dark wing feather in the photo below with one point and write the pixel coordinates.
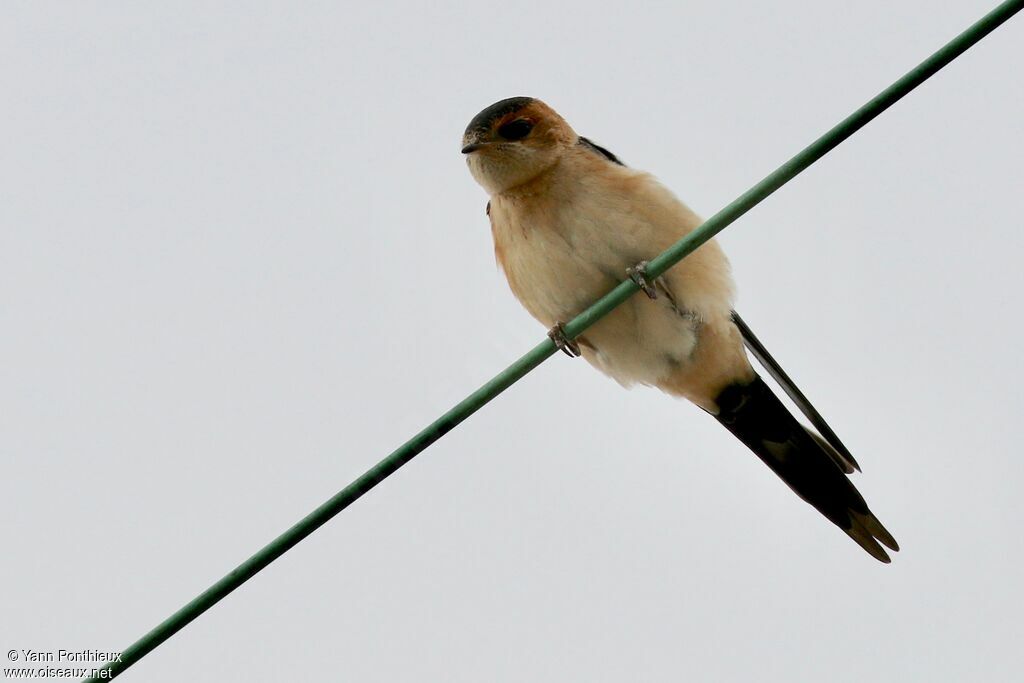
(600, 150)
(835, 447)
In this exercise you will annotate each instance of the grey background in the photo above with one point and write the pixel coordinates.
(242, 260)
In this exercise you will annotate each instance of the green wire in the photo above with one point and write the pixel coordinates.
(545, 349)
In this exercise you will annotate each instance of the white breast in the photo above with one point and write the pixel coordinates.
(560, 257)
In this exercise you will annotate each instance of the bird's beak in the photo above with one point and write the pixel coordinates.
(473, 141)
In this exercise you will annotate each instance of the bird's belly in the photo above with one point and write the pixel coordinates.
(641, 341)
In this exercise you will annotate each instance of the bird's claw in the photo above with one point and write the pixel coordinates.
(638, 274)
(567, 346)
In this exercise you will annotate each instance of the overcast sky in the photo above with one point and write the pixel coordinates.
(241, 260)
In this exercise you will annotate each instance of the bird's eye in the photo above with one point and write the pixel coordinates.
(515, 130)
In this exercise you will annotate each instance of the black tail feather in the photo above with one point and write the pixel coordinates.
(759, 419)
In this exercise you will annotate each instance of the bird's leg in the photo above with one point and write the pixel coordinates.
(567, 346)
(638, 274)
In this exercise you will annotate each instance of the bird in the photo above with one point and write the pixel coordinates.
(570, 221)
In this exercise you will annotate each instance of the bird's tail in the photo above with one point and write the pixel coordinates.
(759, 419)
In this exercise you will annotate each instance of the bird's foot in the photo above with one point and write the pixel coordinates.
(567, 346)
(638, 274)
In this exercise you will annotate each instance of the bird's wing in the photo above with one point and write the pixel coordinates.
(827, 439)
(586, 142)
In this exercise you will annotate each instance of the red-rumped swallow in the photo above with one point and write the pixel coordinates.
(570, 221)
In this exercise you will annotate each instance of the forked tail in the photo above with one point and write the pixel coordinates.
(759, 419)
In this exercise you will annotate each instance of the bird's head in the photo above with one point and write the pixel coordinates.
(513, 141)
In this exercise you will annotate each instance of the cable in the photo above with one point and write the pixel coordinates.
(546, 349)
